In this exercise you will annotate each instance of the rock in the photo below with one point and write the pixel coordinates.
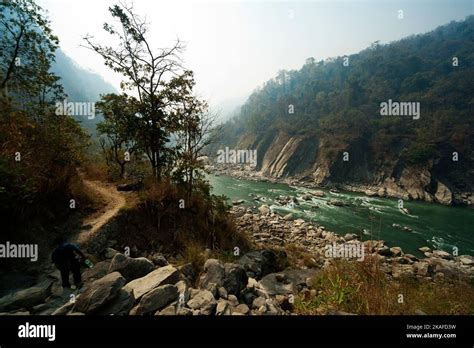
(442, 254)
(131, 268)
(204, 301)
(235, 279)
(284, 283)
(317, 193)
(99, 293)
(238, 202)
(109, 253)
(27, 298)
(223, 308)
(259, 302)
(99, 270)
(396, 251)
(233, 300)
(288, 217)
(222, 292)
(158, 260)
(259, 263)
(157, 299)
(242, 308)
(298, 222)
(161, 276)
(443, 195)
(425, 249)
(402, 271)
(188, 271)
(214, 272)
(170, 310)
(384, 251)
(183, 291)
(466, 260)
(135, 186)
(350, 236)
(120, 305)
(336, 203)
(419, 312)
(64, 309)
(212, 288)
(264, 209)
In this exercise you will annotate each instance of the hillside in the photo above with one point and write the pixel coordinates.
(323, 124)
(80, 85)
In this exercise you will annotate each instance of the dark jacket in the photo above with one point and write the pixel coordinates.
(67, 254)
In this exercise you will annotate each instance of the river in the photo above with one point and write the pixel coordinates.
(427, 224)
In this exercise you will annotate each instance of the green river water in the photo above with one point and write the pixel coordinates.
(433, 225)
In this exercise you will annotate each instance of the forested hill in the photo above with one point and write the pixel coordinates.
(323, 123)
(80, 85)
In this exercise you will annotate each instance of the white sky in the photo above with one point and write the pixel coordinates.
(233, 47)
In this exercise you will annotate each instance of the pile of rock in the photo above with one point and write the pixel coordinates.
(271, 230)
(136, 286)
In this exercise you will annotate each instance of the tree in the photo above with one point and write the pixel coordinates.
(147, 73)
(117, 131)
(27, 48)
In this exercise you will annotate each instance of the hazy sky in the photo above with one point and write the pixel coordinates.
(235, 46)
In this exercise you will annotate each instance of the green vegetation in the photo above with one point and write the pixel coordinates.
(39, 149)
(337, 105)
(362, 288)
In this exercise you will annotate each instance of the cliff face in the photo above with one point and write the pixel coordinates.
(336, 132)
(310, 160)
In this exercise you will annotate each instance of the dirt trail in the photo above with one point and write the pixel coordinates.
(114, 201)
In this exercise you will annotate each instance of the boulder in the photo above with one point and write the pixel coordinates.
(120, 305)
(443, 195)
(161, 276)
(214, 272)
(284, 283)
(259, 263)
(264, 209)
(235, 279)
(27, 298)
(223, 307)
(242, 308)
(99, 293)
(100, 270)
(203, 301)
(442, 254)
(156, 299)
(131, 268)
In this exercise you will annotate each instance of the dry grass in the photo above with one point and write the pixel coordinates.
(362, 288)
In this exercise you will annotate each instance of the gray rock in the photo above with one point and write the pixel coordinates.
(242, 308)
(425, 249)
(156, 299)
(159, 260)
(223, 307)
(110, 253)
(188, 271)
(27, 298)
(258, 302)
(204, 301)
(233, 300)
(161, 276)
(131, 268)
(259, 263)
(120, 305)
(99, 270)
(442, 254)
(214, 272)
(99, 293)
(235, 279)
(222, 292)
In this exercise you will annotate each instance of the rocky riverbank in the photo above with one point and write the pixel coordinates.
(410, 189)
(260, 282)
(271, 230)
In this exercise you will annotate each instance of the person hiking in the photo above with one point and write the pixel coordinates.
(68, 258)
